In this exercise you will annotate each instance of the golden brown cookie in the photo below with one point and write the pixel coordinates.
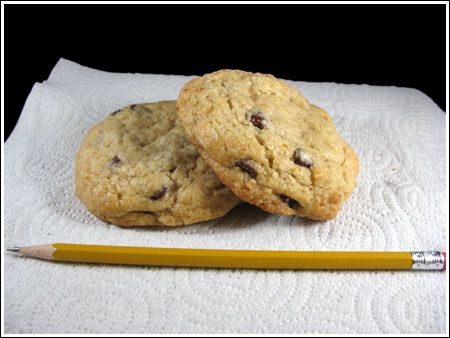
(137, 167)
(268, 144)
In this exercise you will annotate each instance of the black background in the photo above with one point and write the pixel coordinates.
(401, 45)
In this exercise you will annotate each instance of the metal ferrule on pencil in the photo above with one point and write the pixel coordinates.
(427, 260)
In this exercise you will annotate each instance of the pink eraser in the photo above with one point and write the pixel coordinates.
(445, 260)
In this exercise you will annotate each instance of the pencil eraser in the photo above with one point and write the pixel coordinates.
(445, 260)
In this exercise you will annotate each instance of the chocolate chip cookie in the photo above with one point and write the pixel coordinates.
(268, 144)
(137, 167)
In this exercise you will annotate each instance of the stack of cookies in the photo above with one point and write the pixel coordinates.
(231, 137)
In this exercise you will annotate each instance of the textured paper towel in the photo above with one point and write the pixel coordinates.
(399, 205)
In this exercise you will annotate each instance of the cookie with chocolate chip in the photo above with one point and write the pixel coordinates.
(137, 167)
(268, 144)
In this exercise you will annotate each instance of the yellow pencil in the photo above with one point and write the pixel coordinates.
(250, 259)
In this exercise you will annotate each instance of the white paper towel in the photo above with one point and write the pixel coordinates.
(399, 205)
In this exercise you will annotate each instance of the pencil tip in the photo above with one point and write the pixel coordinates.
(14, 249)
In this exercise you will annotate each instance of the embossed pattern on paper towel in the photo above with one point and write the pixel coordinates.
(398, 205)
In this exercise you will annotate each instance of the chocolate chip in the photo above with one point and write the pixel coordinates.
(259, 120)
(114, 113)
(302, 158)
(160, 193)
(291, 202)
(247, 166)
(115, 162)
(133, 107)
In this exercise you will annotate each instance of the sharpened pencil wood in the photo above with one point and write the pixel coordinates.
(44, 251)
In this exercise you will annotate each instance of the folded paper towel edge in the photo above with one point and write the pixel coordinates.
(24, 119)
(63, 63)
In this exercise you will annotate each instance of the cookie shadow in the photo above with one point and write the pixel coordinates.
(306, 222)
(242, 216)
